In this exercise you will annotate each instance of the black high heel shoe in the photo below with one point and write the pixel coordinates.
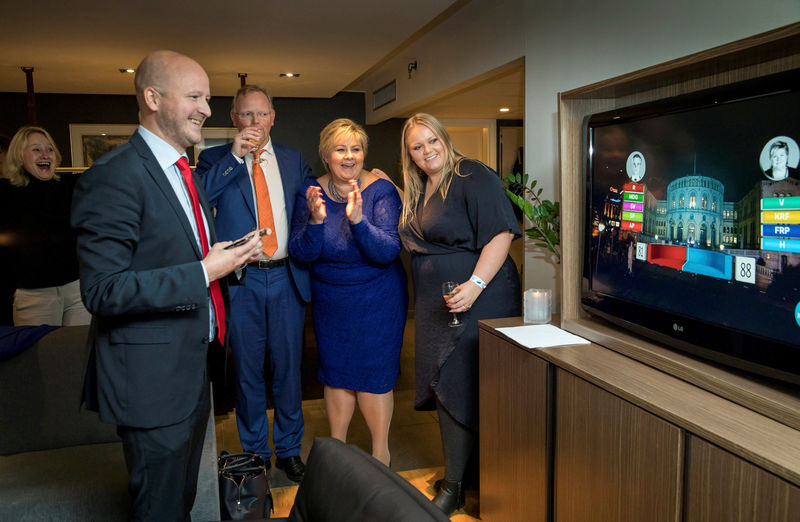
(450, 497)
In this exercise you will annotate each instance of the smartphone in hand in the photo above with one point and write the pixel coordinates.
(245, 239)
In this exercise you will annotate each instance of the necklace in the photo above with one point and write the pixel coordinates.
(335, 195)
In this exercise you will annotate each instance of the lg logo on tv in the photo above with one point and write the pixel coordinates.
(677, 327)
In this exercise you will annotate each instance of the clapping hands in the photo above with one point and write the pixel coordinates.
(316, 205)
(354, 203)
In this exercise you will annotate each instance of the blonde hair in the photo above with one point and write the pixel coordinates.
(413, 176)
(13, 169)
(341, 127)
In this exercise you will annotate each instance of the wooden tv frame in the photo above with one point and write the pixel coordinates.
(767, 53)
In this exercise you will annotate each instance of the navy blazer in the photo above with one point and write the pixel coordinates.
(229, 190)
(142, 280)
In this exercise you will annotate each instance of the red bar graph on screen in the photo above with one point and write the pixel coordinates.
(632, 226)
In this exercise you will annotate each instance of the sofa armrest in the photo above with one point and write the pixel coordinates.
(40, 394)
(343, 483)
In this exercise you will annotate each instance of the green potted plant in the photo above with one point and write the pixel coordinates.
(543, 214)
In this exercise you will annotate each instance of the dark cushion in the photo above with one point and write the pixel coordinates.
(40, 393)
(343, 483)
(68, 484)
(16, 339)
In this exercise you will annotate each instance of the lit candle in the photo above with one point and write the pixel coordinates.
(537, 306)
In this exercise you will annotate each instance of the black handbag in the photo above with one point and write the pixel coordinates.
(244, 492)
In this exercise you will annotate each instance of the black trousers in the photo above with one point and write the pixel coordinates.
(163, 464)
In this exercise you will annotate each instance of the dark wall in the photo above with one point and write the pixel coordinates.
(56, 111)
(298, 121)
(384, 148)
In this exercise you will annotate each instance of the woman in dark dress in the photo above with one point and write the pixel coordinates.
(458, 225)
(345, 226)
(39, 250)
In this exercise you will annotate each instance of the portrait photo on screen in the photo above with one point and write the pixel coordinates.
(635, 166)
(703, 252)
(779, 158)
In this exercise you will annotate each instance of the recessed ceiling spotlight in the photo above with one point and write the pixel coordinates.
(127, 70)
(290, 75)
(504, 109)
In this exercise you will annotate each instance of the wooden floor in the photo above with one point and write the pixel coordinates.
(414, 438)
(422, 479)
(415, 443)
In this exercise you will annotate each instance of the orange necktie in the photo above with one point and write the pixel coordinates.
(264, 205)
(216, 292)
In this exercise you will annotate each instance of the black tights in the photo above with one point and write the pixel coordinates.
(457, 443)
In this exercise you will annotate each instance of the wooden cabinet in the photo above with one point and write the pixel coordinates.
(513, 409)
(583, 433)
(721, 486)
(613, 461)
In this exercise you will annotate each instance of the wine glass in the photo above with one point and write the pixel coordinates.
(260, 140)
(448, 289)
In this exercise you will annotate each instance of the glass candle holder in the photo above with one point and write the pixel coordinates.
(537, 305)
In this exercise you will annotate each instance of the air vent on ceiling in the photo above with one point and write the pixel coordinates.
(384, 95)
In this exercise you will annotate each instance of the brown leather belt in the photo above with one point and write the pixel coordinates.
(267, 264)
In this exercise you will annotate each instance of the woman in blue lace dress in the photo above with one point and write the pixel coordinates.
(345, 227)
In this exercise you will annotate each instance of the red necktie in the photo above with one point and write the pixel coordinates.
(216, 292)
(264, 205)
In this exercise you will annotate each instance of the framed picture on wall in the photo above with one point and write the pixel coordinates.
(212, 136)
(90, 141)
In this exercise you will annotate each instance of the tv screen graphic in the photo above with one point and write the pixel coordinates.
(693, 223)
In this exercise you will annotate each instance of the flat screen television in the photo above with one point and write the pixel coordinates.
(692, 229)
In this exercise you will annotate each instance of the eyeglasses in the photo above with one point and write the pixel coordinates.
(249, 115)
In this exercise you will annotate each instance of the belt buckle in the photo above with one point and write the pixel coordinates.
(267, 264)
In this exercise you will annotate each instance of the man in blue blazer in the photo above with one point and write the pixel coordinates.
(268, 309)
(149, 279)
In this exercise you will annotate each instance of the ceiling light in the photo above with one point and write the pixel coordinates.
(290, 75)
(504, 109)
(127, 70)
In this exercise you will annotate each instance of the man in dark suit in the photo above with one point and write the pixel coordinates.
(154, 287)
(268, 310)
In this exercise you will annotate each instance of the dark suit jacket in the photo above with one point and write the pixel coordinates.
(790, 173)
(142, 281)
(229, 190)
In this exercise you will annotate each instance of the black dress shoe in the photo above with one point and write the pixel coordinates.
(450, 497)
(293, 467)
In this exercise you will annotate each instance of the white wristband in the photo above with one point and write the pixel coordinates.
(478, 281)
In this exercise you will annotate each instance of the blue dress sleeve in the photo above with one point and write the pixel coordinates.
(376, 234)
(305, 240)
